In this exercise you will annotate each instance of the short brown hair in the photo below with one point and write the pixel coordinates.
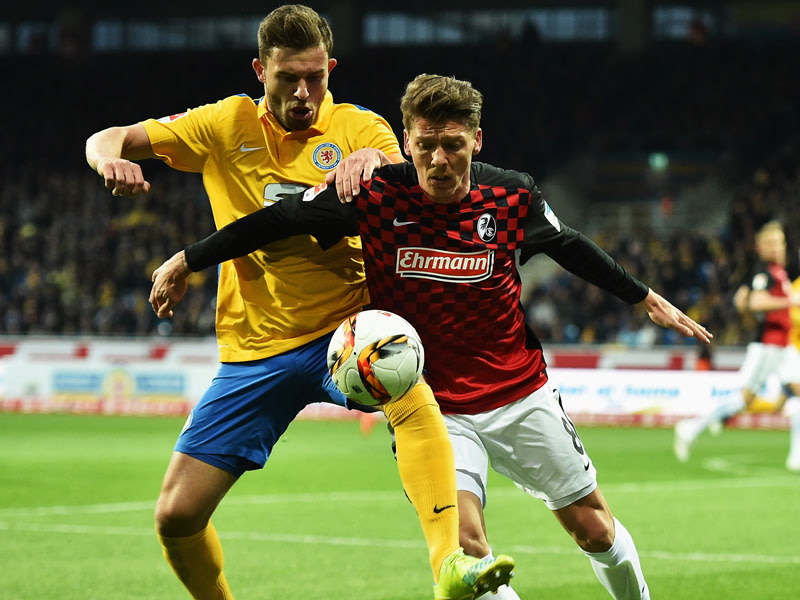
(440, 99)
(293, 26)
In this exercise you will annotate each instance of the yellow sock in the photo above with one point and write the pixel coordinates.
(759, 405)
(427, 469)
(197, 561)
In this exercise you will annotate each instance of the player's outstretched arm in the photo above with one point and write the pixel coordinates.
(356, 167)
(169, 285)
(741, 299)
(111, 151)
(315, 211)
(664, 314)
(761, 301)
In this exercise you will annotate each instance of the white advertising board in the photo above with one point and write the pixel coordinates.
(146, 377)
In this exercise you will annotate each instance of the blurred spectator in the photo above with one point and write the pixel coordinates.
(76, 262)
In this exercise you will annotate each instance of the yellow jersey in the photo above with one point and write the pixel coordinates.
(290, 292)
(794, 316)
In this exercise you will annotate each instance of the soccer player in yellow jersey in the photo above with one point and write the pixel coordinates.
(277, 307)
(793, 460)
(794, 315)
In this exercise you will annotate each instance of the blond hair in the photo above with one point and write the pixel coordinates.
(767, 228)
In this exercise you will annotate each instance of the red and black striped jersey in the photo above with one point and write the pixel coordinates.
(774, 325)
(449, 269)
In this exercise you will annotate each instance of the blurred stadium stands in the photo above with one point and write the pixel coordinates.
(669, 155)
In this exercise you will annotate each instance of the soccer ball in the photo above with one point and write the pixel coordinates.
(375, 357)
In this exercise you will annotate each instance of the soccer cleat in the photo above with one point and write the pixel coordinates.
(504, 592)
(464, 577)
(682, 442)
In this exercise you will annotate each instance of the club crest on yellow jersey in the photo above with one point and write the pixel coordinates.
(327, 156)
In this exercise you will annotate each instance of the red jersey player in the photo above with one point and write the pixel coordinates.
(768, 295)
(440, 240)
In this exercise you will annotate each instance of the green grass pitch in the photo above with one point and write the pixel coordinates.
(327, 518)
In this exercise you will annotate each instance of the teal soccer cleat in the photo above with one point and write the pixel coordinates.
(464, 577)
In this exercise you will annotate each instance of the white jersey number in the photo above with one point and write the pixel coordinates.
(275, 192)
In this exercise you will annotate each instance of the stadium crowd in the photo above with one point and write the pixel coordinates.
(74, 260)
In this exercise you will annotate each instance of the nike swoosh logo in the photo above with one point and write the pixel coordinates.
(437, 510)
(244, 148)
(403, 223)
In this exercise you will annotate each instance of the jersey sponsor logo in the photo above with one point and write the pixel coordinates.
(170, 118)
(327, 156)
(441, 265)
(398, 223)
(487, 227)
(244, 148)
(313, 192)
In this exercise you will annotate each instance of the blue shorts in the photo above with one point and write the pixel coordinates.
(250, 404)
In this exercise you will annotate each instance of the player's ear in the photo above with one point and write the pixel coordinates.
(478, 142)
(259, 69)
(406, 143)
(331, 63)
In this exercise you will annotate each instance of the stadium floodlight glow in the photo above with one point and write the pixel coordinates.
(658, 161)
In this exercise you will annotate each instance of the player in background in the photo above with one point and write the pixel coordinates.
(277, 308)
(440, 241)
(769, 297)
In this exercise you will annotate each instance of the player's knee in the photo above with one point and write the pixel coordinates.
(420, 396)
(595, 534)
(176, 519)
(164, 517)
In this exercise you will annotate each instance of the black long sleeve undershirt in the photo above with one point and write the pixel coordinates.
(582, 257)
(324, 217)
(328, 222)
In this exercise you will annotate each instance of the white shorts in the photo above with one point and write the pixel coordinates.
(762, 361)
(531, 441)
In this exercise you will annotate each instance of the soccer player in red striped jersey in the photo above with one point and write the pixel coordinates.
(768, 295)
(440, 241)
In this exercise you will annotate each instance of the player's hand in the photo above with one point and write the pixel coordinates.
(664, 314)
(123, 177)
(169, 285)
(355, 167)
